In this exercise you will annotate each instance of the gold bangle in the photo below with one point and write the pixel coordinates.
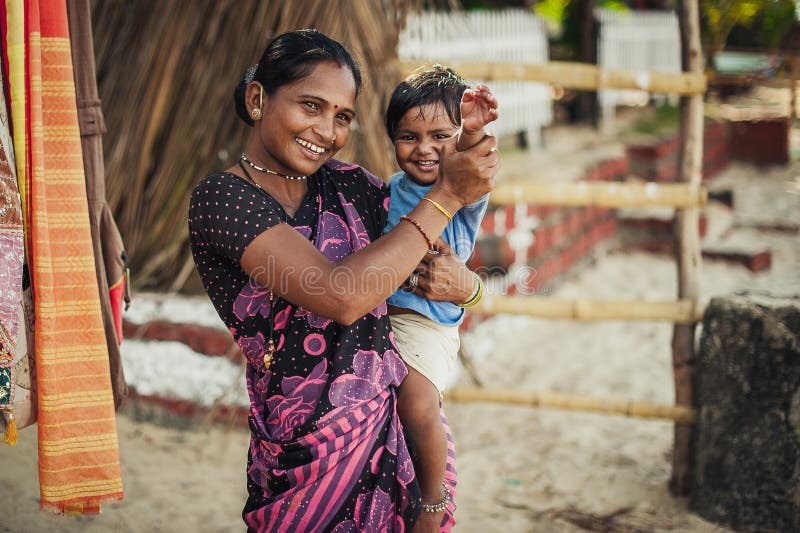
(440, 207)
(475, 298)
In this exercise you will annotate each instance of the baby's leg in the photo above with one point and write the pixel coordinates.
(418, 407)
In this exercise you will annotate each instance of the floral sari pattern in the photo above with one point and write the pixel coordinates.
(327, 449)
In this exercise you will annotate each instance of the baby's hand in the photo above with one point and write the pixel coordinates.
(478, 108)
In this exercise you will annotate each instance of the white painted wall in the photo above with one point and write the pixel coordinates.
(635, 41)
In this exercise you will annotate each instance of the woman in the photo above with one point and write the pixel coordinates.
(287, 245)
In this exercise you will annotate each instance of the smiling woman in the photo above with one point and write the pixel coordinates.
(287, 245)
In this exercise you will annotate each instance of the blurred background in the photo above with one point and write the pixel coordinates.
(166, 72)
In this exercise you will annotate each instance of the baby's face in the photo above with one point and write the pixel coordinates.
(418, 142)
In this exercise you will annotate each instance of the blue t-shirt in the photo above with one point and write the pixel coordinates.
(460, 234)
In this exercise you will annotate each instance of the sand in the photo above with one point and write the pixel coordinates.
(521, 469)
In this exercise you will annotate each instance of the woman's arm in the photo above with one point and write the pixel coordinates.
(283, 260)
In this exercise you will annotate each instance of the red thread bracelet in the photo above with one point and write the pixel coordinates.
(416, 225)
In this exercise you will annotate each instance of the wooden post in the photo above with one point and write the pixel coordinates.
(587, 53)
(688, 242)
(793, 86)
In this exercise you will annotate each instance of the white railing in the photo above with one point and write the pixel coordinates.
(504, 35)
(635, 41)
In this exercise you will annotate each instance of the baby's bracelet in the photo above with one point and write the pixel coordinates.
(476, 296)
(422, 231)
(440, 207)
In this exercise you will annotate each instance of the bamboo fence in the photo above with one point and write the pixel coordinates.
(614, 195)
(166, 77)
(630, 408)
(580, 76)
(679, 312)
(687, 196)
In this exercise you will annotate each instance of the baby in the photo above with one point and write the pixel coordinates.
(425, 111)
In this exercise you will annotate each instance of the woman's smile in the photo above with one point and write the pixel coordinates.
(311, 147)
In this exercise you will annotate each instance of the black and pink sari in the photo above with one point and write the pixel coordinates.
(327, 451)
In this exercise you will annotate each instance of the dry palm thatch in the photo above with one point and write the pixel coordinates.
(166, 73)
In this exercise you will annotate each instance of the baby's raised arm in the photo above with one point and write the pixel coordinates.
(478, 108)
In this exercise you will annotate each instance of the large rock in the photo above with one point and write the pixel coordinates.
(746, 471)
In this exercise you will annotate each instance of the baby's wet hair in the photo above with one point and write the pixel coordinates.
(430, 84)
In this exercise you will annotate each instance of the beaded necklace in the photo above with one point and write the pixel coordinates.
(268, 171)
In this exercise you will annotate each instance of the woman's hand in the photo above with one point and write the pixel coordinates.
(466, 176)
(443, 277)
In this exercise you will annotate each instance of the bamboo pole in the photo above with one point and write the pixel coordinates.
(600, 194)
(793, 86)
(688, 243)
(570, 75)
(574, 402)
(680, 312)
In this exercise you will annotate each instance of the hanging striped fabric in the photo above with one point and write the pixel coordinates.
(78, 448)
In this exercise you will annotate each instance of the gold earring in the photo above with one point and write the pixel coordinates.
(255, 114)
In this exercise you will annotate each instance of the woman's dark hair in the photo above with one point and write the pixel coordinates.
(426, 85)
(292, 56)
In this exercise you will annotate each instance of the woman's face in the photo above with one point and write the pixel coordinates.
(306, 122)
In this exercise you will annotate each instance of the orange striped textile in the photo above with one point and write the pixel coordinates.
(78, 448)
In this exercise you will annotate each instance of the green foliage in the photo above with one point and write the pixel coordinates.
(776, 22)
(555, 11)
(665, 120)
(722, 15)
(767, 22)
(566, 17)
(551, 10)
(613, 5)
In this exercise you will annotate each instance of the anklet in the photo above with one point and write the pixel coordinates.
(442, 505)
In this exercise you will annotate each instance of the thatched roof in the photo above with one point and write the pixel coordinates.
(166, 73)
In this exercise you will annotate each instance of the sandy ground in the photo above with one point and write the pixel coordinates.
(521, 469)
(545, 470)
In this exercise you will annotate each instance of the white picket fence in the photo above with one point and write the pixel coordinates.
(635, 41)
(504, 35)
